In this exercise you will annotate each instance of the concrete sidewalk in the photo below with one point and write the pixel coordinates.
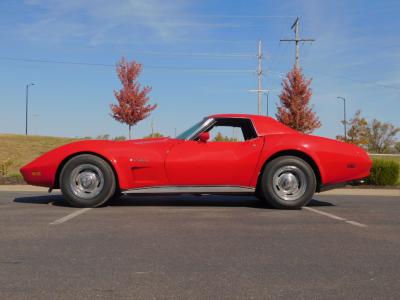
(342, 191)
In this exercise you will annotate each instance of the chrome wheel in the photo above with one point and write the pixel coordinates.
(86, 181)
(289, 183)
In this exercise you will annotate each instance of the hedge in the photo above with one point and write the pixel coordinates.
(384, 172)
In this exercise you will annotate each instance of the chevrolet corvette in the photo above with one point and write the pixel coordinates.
(275, 163)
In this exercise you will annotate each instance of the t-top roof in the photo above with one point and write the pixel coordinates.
(264, 125)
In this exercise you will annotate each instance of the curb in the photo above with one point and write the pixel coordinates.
(22, 188)
(336, 192)
(363, 192)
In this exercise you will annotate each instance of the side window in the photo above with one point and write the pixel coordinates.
(226, 134)
(231, 130)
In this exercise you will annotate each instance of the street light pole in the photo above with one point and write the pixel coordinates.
(266, 92)
(344, 117)
(26, 106)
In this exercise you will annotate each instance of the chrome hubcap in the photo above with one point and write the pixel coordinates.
(86, 181)
(289, 183)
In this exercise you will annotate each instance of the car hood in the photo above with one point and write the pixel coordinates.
(106, 148)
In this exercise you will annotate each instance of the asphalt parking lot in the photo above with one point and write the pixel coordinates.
(191, 247)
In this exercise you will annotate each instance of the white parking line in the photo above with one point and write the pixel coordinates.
(356, 223)
(70, 216)
(335, 217)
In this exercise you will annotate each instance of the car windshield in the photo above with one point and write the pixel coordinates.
(192, 131)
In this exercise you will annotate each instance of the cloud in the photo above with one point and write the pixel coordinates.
(100, 21)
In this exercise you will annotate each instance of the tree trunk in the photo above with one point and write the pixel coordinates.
(130, 126)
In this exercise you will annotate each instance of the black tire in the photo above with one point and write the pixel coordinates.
(87, 181)
(288, 182)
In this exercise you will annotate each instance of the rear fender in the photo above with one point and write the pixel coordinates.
(280, 145)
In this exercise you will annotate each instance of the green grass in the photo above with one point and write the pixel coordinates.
(21, 149)
(388, 157)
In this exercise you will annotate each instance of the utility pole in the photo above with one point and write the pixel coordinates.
(259, 73)
(260, 91)
(26, 106)
(152, 127)
(297, 40)
(344, 117)
(265, 92)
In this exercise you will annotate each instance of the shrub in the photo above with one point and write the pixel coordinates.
(384, 172)
(12, 179)
(5, 167)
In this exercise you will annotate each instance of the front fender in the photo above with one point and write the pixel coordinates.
(43, 171)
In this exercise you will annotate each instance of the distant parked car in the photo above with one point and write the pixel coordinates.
(270, 160)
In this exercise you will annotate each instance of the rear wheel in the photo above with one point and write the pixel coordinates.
(87, 181)
(288, 182)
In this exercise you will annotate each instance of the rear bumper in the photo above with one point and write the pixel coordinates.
(327, 187)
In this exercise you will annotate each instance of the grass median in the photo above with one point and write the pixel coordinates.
(21, 149)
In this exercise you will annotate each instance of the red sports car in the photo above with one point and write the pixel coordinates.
(274, 162)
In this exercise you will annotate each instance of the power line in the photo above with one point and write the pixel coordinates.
(150, 53)
(209, 70)
(208, 55)
(190, 69)
(233, 16)
(281, 51)
(361, 81)
(242, 16)
(246, 21)
(55, 62)
(356, 80)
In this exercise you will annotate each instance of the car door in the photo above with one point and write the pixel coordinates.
(213, 163)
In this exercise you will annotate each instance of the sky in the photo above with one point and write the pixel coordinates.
(199, 57)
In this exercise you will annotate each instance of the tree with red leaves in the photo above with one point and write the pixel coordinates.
(132, 100)
(295, 110)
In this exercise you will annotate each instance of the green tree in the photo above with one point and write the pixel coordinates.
(358, 130)
(120, 138)
(153, 135)
(381, 136)
(221, 138)
(103, 137)
(397, 147)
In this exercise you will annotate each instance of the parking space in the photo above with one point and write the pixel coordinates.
(199, 247)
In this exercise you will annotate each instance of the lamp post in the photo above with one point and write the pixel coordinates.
(26, 106)
(344, 117)
(266, 92)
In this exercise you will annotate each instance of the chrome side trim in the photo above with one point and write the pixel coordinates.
(197, 189)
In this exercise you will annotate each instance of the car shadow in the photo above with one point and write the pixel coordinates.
(172, 200)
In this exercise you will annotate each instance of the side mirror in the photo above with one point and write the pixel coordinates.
(204, 137)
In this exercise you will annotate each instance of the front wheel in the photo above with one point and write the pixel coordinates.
(288, 182)
(87, 181)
